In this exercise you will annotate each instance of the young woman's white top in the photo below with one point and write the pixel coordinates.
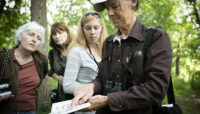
(80, 69)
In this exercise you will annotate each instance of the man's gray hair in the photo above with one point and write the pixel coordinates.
(31, 26)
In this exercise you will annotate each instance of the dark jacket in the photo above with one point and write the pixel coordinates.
(11, 74)
(57, 65)
(57, 62)
(149, 80)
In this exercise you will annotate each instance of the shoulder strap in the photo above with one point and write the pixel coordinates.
(4, 64)
(147, 44)
(170, 92)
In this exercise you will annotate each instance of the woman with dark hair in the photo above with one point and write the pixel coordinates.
(60, 38)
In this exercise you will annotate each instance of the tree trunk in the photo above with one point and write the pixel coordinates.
(177, 60)
(2, 4)
(195, 11)
(39, 14)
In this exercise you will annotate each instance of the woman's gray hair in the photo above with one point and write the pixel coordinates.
(31, 26)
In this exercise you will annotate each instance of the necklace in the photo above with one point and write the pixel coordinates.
(21, 59)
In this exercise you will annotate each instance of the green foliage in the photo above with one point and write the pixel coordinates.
(180, 84)
(176, 17)
(10, 20)
(71, 12)
(195, 81)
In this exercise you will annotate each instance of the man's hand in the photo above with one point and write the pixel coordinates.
(97, 102)
(82, 95)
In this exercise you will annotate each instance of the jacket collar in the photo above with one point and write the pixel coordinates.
(136, 32)
(35, 55)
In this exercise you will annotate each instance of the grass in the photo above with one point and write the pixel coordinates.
(53, 83)
(186, 97)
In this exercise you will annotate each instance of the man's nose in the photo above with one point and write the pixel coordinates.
(110, 12)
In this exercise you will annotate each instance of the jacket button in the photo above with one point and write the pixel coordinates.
(117, 76)
(120, 106)
(118, 60)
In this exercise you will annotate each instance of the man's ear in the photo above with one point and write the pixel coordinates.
(134, 3)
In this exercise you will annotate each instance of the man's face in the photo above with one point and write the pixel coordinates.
(120, 12)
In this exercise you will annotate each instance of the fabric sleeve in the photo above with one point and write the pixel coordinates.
(98, 82)
(70, 83)
(45, 66)
(50, 58)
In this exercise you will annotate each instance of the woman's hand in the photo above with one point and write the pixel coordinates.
(82, 95)
(6, 97)
(58, 77)
(97, 102)
(60, 80)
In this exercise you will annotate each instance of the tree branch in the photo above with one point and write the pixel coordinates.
(90, 2)
(3, 3)
(193, 3)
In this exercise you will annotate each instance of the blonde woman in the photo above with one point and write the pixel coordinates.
(84, 54)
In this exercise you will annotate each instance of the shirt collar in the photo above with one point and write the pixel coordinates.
(117, 38)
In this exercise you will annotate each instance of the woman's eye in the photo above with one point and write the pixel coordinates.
(31, 34)
(97, 27)
(39, 38)
(87, 28)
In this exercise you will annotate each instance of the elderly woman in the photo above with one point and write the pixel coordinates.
(26, 68)
(129, 82)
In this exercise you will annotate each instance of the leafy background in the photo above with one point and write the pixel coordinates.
(180, 18)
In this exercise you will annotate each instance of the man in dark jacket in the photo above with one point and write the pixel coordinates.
(128, 82)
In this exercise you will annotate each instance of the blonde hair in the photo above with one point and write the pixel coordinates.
(80, 39)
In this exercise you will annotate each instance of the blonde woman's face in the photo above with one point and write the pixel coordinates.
(92, 30)
(60, 37)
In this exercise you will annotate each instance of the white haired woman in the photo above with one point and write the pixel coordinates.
(26, 68)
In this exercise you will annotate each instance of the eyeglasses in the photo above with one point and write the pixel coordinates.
(91, 13)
